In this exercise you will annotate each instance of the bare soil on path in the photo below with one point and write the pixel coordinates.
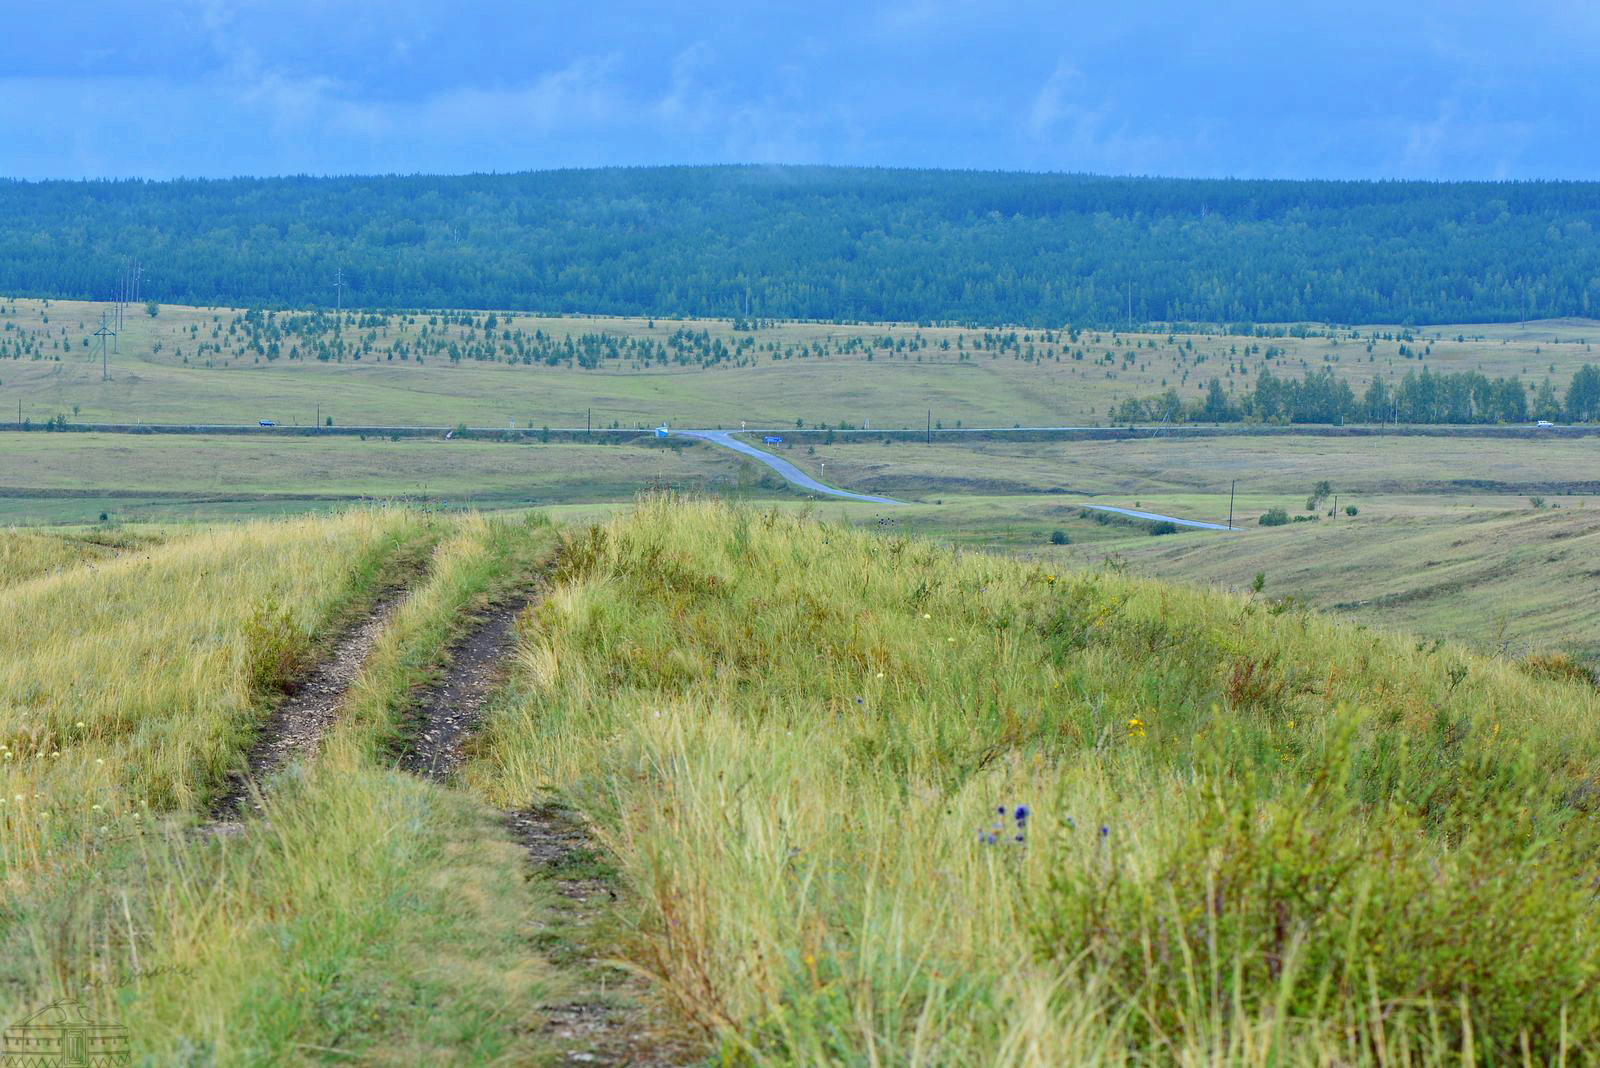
(296, 726)
(601, 1019)
(451, 710)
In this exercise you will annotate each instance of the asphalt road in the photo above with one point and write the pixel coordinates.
(788, 470)
(799, 478)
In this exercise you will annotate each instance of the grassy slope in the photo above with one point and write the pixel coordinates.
(1500, 577)
(27, 554)
(157, 387)
(1447, 542)
(1255, 835)
(368, 915)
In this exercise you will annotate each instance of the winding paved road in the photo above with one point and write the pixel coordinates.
(805, 481)
(780, 465)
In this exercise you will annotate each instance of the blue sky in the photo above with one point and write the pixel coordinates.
(1357, 89)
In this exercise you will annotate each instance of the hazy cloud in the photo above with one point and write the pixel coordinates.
(1362, 88)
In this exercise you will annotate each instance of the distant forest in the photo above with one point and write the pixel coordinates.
(825, 243)
(1324, 397)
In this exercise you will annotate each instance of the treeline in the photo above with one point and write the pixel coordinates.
(1324, 397)
(825, 243)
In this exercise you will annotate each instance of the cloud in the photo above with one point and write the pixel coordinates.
(1058, 101)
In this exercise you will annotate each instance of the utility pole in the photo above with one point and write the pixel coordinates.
(319, 413)
(588, 425)
(105, 358)
(930, 426)
(338, 288)
(1231, 490)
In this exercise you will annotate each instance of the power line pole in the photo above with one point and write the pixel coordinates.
(930, 426)
(338, 287)
(105, 359)
(1231, 490)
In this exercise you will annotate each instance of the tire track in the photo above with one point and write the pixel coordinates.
(450, 711)
(601, 1022)
(295, 728)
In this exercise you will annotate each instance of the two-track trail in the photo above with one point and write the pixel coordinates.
(597, 1018)
(448, 712)
(296, 726)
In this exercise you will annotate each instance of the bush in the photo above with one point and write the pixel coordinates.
(1351, 509)
(1059, 537)
(275, 649)
(1163, 527)
(1558, 666)
(1274, 517)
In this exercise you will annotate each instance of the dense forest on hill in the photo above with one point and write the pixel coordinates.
(825, 243)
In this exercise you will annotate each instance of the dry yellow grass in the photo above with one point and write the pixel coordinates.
(126, 687)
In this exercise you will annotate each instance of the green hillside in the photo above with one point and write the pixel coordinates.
(749, 788)
(825, 243)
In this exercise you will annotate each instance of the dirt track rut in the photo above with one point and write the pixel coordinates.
(296, 727)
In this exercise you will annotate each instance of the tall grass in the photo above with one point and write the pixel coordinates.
(366, 915)
(1251, 834)
(27, 554)
(129, 686)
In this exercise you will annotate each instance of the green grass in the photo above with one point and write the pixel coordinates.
(1319, 842)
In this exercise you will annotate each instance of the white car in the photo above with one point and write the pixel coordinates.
(1544, 424)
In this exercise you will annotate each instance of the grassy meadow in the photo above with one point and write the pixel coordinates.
(72, 478)
(1248, 833)
(1486, 541)
(980, 811)
(219, 365)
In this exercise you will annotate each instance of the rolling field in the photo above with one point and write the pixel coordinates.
(1175, 464)
(71, 478)
(196, 365)
(1447, 541)
(1163, 823)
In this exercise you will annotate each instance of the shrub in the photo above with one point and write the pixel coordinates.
(1059, 537)
(274, 648)
(1274, 517)
(1558, 666)
(1163, 527)
(1351, 509)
